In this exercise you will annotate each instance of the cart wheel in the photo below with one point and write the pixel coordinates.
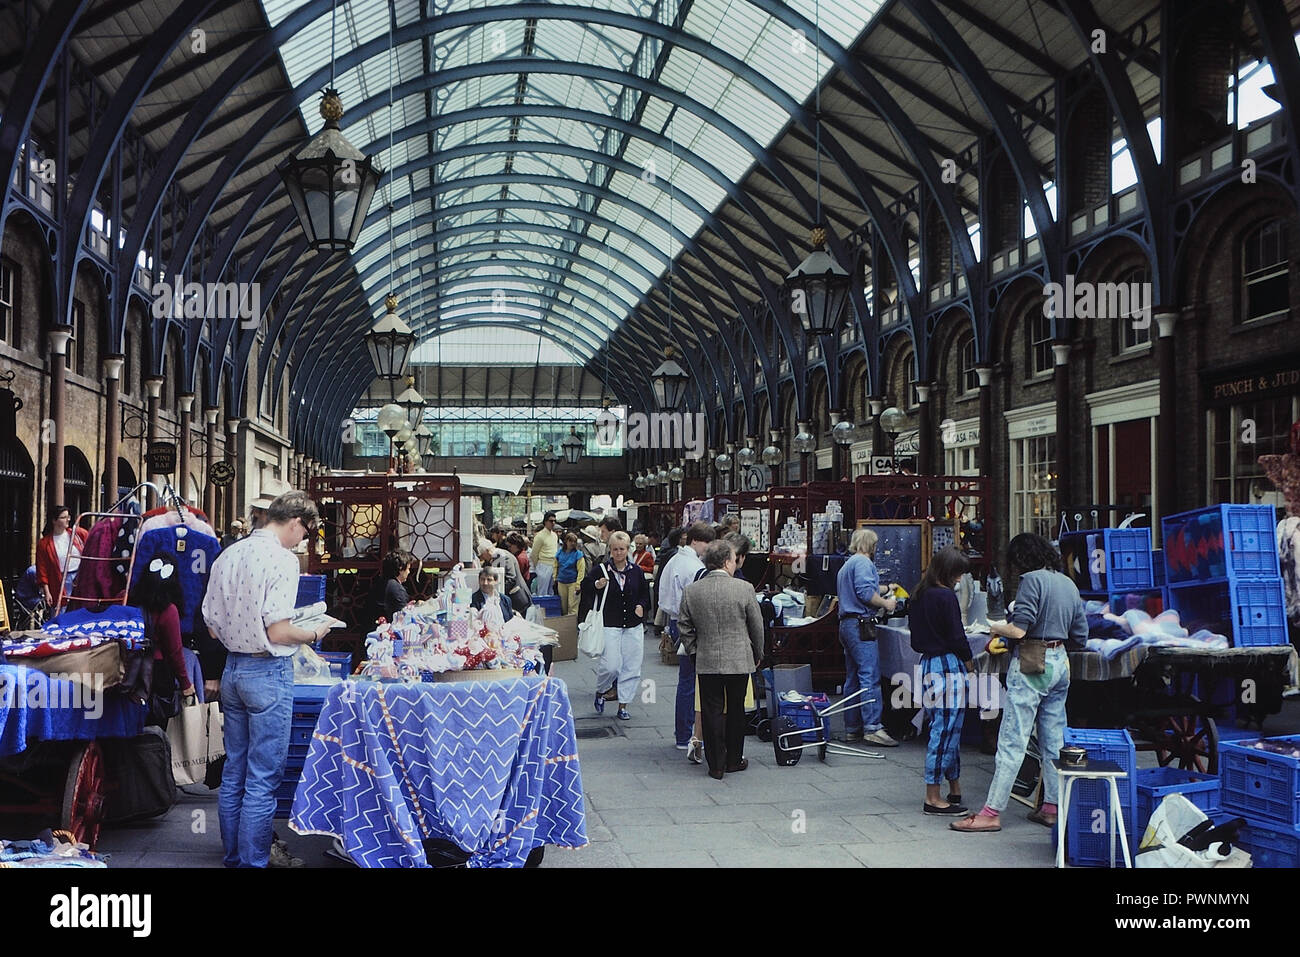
(764, 729)
(83, 795)
(786, 757)
(1190, 740)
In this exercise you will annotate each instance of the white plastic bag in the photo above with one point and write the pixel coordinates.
(591, 630)
(1170, 821)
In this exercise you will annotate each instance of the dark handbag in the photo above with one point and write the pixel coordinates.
(866, 628)
(165, 700)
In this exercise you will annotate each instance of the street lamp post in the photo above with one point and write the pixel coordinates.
(891, 423)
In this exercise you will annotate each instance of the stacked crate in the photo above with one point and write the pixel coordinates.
(308, 700)
(1090, 800)
(1261, 782)
(1222, 573)
(1115, 565)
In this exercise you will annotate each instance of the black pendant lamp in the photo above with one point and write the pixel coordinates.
(330, 183)
(390, 342)
(669, 383)
(572, 446)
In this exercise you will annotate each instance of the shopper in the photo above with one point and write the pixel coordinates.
(722, 628)
(397, 568)
(486, 595)
(516, 588)
(731, 522)
(157, 593)
(518, 547)
(739, 545)
(571, 568)
(858, 588)
(619, 586)
(939, 637)
(59, 549)
(248, 608)
(686, 566)
(546, 543)
(643, 555)
(1048, 614)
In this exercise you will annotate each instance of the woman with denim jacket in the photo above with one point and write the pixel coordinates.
(1048, 614)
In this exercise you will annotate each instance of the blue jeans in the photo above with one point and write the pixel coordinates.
(684, 725)
(1030, 699)
(862, 670)
(257, 702)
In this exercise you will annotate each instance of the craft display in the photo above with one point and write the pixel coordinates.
(447, 635)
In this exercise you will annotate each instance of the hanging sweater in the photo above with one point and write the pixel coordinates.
(195, 553)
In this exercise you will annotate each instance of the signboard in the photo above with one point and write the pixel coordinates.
(161, 457)
(755, 478)
(909, 443)
(221, 474)
(884, 464)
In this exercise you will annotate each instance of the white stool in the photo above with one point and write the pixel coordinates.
(1091, 771)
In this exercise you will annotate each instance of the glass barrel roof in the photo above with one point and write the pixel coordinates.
(502, 148)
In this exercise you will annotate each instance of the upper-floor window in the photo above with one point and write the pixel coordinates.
(1038, 344)
(909, 395)
(968, 380)
(1133, 332)
(1265, 264)
(76, 357)
(8, 302)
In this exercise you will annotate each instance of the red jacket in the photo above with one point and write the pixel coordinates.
(48, 571)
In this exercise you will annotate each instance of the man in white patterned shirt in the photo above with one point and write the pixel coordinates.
(248, 607)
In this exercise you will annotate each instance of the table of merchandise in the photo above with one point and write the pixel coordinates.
(897, 657)
(37, 707)
(491, 766)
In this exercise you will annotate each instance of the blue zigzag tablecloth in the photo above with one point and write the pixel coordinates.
(490, 766)
(36, 707)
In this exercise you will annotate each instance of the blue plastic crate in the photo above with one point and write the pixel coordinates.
(1125, 562)
(804, 715)
(1083, 846)
(550, 604)
(311, 589)
(1261, 779)
(1220, 541)
(1250, 612)
(1270, 846)
(1155, 784)
(340, 662)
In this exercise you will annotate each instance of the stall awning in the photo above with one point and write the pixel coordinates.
(490, 482)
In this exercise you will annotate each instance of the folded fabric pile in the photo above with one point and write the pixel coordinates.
(48, 850)
(122, 622)
(1112, 634)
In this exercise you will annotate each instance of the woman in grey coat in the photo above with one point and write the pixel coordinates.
(722, 629)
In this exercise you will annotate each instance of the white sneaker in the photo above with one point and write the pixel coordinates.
(880, 738)
(695, 751)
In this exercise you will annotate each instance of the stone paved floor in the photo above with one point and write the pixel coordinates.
(648, 807)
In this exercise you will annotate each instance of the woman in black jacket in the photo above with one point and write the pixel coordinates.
(618, 586)
(939, 638)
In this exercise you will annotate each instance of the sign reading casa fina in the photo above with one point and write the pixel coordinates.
(162, 457)
(221, 474)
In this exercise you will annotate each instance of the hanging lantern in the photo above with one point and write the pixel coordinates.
(669, 383)
(390, 342)
(10, 405)
(662, 475)
(640, 481)
(676, 473)
(572, 446)
(818, 289)
(551, 461)
(330, 183)
(722, 461)
(529, 469)
(891, 421)
(412, 403)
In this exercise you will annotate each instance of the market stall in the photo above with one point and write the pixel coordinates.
(957, 507)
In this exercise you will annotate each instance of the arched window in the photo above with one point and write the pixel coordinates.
(1265, 262)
